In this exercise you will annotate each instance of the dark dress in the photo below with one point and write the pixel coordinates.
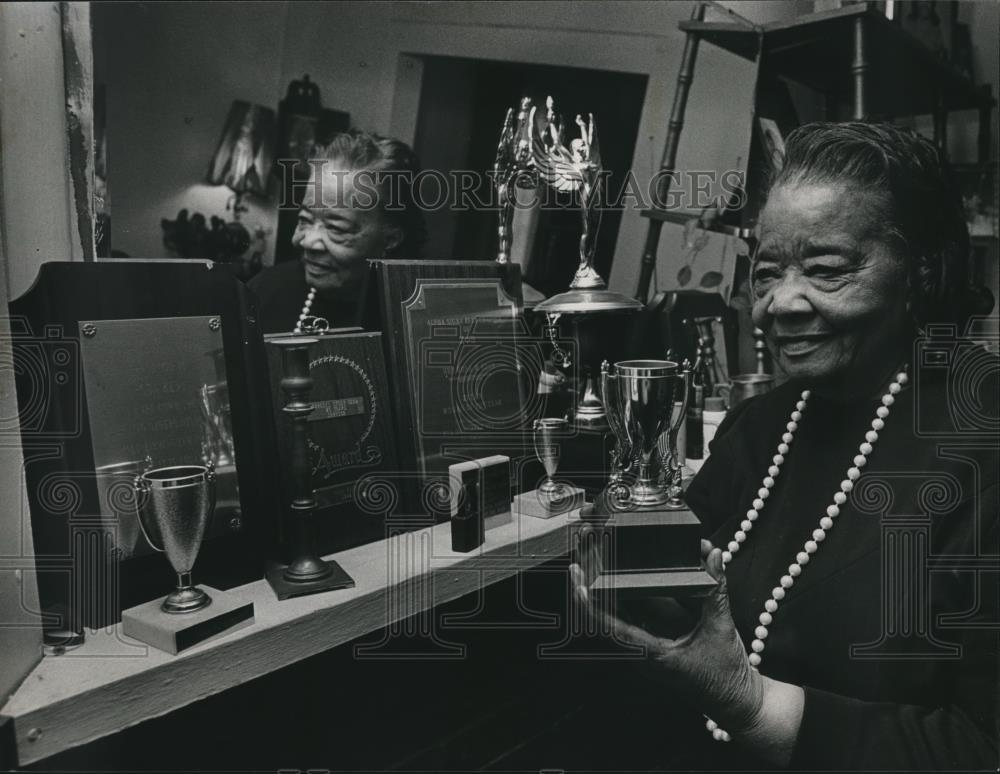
(281, 292)
(892, 627)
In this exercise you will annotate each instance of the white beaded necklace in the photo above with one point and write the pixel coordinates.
(310, 297)
(825, 524)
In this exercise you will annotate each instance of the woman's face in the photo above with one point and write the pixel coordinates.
(830, 286)
(339, 228)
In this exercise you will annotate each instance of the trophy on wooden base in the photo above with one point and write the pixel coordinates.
(174, 505)
(552, 497)
(653, 542)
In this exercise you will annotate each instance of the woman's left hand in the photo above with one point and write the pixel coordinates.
(708, 664)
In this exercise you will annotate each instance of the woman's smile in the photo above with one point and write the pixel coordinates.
(826, 282)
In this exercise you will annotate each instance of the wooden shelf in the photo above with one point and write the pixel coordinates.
(112, 682)
(816, 51)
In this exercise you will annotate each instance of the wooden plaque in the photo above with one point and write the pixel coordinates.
(453, 331)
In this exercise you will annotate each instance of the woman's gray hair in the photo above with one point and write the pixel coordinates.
(922, 201)
(394, 167)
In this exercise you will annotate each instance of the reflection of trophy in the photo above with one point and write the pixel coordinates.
(551, 497)
(652, 541)
(621, 453)
(174, 505)
(511, 169)
(594, 313)
(116, 495)
(217, 435)
(707, 370)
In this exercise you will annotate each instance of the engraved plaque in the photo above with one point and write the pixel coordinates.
(455, 346)
(157, 395)
(462, 364)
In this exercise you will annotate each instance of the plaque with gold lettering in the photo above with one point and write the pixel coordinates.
(458, 364)
(350, 432)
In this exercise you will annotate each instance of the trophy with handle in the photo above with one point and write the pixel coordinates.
(552, 497)
(654, 545)
(174, 505)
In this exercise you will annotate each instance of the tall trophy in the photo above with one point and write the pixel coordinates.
(174, 505)
(595, 317)
(552, 497)
(654, 542)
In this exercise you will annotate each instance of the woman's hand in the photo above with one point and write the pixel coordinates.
(707, 665)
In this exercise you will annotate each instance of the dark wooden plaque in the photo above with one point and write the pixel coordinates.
(351, 432)
(83, 579)
(454, 341)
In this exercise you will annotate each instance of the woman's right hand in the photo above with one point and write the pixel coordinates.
(661, 616)
(707, 663)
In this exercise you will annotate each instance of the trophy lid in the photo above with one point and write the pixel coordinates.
(583, 301)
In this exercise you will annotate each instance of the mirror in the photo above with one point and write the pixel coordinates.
(145, 412)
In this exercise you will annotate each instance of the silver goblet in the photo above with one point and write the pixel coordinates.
(546, 444)
(174, 505)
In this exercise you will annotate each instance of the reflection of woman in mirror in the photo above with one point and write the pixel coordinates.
(358, 206)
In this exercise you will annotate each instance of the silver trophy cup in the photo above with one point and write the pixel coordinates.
(546, 442)
(743, 386)
(174, 505)
(640, 397)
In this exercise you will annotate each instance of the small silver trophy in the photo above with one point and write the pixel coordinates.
(552, 497)
(174, 505)
(654, 546)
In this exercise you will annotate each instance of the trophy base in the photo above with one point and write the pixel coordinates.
(286, 589)
(173, 633)
(680, 582)
(645, 495)
(541, 505)
(186, 600)
(673, 504)
(649, 552)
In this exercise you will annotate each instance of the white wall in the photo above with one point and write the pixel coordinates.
(169, 85)
(36, 216)
(173, 69)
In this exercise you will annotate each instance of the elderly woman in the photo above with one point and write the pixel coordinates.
(358, 206)
(853, 511)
